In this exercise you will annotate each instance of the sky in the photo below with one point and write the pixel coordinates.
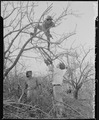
(85, 30)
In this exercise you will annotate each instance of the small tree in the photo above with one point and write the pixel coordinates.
(79, 72)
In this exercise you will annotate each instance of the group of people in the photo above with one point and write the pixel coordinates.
(57, 74)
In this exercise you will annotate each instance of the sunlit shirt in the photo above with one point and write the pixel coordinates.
(31, 83)
(58, 76)
(50, 71)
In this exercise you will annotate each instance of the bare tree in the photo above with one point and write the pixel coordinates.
(19, 21)
(79, 72)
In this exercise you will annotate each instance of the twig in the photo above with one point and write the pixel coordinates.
(71, 108)
(27, 106)
(16, 116)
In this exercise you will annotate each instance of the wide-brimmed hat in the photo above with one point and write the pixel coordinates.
(49, 18)
(61, 65)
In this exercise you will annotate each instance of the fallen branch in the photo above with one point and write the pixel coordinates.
(8, 103)
(66, 105)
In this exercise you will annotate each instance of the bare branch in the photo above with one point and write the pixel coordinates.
(17, 58)
(85, 57)
(63, 14)
(37, 41)
(82, 73)
(10, 14)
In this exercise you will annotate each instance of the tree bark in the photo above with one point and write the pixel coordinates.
(76, 93)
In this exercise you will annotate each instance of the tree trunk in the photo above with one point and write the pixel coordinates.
(76, 93)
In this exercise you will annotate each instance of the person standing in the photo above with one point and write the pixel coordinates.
(32, 84)
(57, 81)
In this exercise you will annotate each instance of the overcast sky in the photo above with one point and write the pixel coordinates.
(85, 31)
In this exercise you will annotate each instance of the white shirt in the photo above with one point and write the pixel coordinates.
(50, 72)
(58, 76)
(31, 83)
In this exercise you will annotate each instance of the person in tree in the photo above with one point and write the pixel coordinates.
(45, 27)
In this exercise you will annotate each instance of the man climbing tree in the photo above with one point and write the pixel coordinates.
(45, 27)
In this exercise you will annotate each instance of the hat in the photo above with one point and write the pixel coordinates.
(62, 66)
(49, 18)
